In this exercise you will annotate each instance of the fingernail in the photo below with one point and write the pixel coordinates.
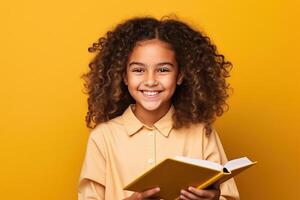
(157, 189)
(190, 188)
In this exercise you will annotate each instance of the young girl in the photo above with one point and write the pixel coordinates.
(155, 87)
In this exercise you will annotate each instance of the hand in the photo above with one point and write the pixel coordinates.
(198, 194)
(144, 195)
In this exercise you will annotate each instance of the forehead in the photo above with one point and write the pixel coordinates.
(152, 51)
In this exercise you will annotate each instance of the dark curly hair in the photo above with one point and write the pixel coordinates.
(200, 98)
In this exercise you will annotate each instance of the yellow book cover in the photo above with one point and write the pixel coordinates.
(174, 174)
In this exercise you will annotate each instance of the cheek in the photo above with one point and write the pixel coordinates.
(133, 82)
(169, 82)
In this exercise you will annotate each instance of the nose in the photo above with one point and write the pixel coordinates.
(150, 79)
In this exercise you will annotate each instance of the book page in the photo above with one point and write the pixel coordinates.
(203, 163)
(237, 163)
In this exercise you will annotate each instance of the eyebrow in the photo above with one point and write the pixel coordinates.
(143, 65)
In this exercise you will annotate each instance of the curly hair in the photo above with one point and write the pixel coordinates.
(200, 98)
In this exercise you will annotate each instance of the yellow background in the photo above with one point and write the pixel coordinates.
(44, 51)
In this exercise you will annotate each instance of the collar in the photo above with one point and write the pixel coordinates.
(133, 124)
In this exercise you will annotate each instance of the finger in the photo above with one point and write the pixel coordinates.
(201, 193)
(189, 195)
(216, 191)
(209, 193)
(182, 197)
(151, 192)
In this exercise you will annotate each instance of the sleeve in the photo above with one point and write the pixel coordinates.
(213, 151)
(91, 184)
(90, 190)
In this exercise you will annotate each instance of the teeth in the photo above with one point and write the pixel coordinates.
(150, 93)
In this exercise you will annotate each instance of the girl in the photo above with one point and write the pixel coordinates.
(155, 87)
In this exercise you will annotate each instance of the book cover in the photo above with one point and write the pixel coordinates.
(174, 174)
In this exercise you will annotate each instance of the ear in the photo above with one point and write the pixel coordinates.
(125, 79)
(179, 78)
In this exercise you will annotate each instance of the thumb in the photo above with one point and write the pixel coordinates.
(151, 192)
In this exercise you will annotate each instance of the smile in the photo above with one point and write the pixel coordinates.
(150, 93)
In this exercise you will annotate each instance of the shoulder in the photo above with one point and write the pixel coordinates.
(104, 129)
(193, 129)
(200, 127)
(194, 132)
(198, 130)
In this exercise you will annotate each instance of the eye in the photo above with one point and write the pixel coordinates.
(138, 70)
(163, 69)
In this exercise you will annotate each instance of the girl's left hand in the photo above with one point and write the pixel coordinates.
(197, 194)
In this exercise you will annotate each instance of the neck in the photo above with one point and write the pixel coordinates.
(150, 117)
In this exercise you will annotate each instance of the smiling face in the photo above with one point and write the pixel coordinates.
(151, 75)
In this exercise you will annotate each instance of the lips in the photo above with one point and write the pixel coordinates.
(149, 93)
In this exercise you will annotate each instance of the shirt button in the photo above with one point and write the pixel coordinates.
(150, 133)
(150, 161)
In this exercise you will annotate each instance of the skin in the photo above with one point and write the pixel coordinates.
(152, 67)
(193, 193)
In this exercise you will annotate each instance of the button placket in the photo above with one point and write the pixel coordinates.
(151, 160)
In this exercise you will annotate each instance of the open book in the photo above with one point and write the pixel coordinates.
(174, 174)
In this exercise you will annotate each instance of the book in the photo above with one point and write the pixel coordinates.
(174, 174)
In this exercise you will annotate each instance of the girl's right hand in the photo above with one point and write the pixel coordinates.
(147, 194)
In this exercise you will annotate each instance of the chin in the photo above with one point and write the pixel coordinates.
(150, 106)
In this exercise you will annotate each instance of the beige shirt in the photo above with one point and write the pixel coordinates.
(121, 149)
